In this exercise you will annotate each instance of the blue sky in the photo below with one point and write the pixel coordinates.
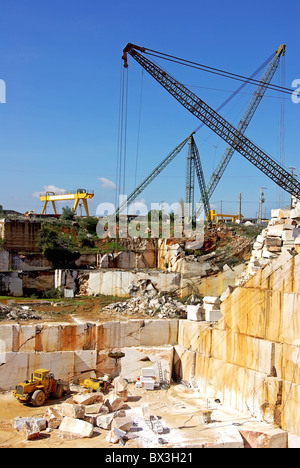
(61, 63)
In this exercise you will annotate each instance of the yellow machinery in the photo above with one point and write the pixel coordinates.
(80, 195)
(95, 385)
(212, 216)
(40, 387)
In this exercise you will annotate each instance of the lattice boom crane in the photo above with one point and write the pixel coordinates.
(216, 123)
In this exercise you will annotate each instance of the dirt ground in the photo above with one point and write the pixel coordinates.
(66, 310)
(179, 408)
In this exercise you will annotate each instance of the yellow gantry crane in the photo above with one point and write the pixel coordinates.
(80, 195)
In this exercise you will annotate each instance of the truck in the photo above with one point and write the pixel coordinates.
(41, 386)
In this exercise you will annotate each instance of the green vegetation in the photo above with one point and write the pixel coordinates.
(67, 214)
(246, 231)
(67, 239)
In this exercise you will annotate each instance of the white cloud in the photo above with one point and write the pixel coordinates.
(107, 184)
(50, 188)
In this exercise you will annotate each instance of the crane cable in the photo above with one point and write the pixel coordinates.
(139, 129)
(122, 135)
(239, 89)
(215, 71)
(281, 125)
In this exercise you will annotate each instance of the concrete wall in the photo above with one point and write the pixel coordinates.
(250, 360)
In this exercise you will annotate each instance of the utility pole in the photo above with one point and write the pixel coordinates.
(240, 208)
(261, 201)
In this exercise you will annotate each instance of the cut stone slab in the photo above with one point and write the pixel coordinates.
(77, 428)
(105, 421)
(41, 423)
(213, 315)
(30, 430)
(116, 435)
(270, 439)
(275, 231)
(53, 417)
(124, 424)
(195, 313)
(88, 398)
(93, 409)
(73, 411)
(116, 403)
(119, 384)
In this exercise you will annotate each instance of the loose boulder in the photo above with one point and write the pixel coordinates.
(75, 428)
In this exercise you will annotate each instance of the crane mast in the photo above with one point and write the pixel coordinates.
(216, 123)
(200, 176)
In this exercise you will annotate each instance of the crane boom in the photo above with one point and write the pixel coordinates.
(218, 124)
(152, 176)
(243, 124)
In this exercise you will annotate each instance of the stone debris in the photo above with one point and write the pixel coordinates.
(54, 417)
(124, 424)
(105, 421)
(281, 236)
(72, 427)
(30, 431)
(160, 305)
(116, 435)
(73, 410)
(275, 438)
(120, 388)
(88, 398)
(135, 423)
(17, 313)
(41, 423)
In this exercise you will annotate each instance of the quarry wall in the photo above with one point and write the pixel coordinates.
(20, 235)
(71, 350)
(250, 360)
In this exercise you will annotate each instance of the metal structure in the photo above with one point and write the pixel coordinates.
(231, 135)
(213, 216)
(243, 124)
(194, 166)
(193, 159)
(151, 176)
(79, 195)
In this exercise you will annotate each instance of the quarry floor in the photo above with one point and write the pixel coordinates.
(81, 308)
(179, 408)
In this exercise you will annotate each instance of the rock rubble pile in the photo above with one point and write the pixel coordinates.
(84, 414)
(281, 236)
(162, 306)
(17, 313)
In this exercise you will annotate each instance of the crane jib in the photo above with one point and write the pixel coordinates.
(220, 126)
